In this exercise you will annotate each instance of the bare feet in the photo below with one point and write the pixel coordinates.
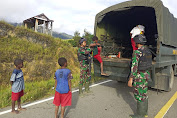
(104, 74)
(21, 109)
(15, 111)
(57, 116)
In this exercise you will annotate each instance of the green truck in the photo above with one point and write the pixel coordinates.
(113, 26)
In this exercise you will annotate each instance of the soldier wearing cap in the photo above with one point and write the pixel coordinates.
(141, 63)
(83, 57)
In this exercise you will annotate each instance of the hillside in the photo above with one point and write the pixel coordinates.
(40, 54)
(35, 49)
(62, 35)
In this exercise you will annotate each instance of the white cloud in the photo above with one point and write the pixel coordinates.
(16, 10)
(68, 15)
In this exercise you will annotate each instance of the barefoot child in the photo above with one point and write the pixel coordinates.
(63, 94)
(97, 53)
(17, 85)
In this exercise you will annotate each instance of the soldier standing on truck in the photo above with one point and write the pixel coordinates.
(141, 63)
(83, 57)
(139, 29)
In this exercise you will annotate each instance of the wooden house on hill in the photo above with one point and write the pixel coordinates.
(40, 23)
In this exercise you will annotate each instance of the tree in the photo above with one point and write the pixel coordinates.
(87, 35)
(76, 38)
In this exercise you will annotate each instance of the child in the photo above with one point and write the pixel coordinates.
(83, 58)
(17, 85)
(63, 94)
(97, 53)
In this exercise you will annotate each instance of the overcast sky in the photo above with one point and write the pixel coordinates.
(68, 15)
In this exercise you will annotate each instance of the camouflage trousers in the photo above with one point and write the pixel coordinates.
(141, 86)
(84, 73)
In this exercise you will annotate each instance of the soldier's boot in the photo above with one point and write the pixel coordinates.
(87, 89)
(142, 110)
(81, 91)
(146, 108)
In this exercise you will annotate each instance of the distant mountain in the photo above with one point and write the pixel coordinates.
(55, 34)
(62, 35)
(16, 24)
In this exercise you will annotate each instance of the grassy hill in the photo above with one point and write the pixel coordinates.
(40, 53)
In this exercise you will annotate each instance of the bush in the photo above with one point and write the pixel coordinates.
(73, 43)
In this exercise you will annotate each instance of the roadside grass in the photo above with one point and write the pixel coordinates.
(37, 89)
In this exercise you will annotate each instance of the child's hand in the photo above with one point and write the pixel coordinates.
(53, 88)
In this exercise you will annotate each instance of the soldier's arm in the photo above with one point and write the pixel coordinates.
(135, 60)
(134, 68)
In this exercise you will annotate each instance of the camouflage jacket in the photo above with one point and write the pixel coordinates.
(135, 60)
(83, 51)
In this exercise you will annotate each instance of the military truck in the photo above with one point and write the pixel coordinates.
(113, 26)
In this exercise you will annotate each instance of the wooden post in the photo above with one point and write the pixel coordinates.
(44, 28)
(36, 25)
(47, 27)
(51, 27)
(26, 25)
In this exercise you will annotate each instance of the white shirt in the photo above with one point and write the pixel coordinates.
(137, 30)
(18, 81)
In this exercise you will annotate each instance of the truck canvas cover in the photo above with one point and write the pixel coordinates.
(124, 16)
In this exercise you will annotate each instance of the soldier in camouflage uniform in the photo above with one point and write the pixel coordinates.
(141, 63)
(83, 57)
